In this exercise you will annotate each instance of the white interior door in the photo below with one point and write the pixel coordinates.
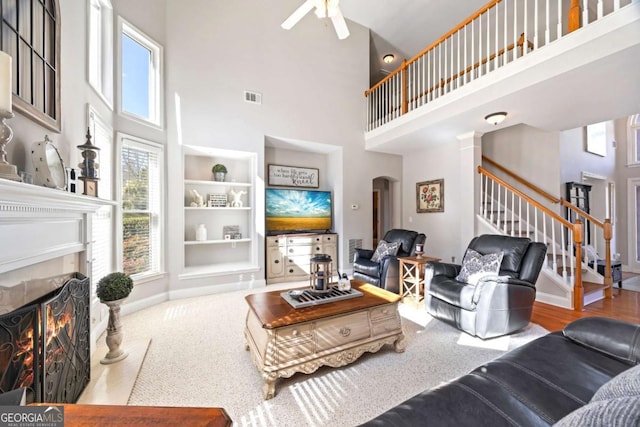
(634, 223)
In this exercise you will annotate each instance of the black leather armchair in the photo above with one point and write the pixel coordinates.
(492, 307)
(384, 274)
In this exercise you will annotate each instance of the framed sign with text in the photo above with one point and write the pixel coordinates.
(292, 176)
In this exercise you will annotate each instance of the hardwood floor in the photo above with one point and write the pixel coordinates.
(625, 305)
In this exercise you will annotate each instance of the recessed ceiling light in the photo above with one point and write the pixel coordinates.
(496, 118)
(388, 58)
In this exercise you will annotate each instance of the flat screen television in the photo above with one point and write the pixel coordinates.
(294, 210)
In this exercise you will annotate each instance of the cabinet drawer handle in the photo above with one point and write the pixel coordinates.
(291, 270)
(317, 248)
(291, 250)
(277, 261)
(345, 332)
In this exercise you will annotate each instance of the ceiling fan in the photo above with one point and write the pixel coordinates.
(324, 9)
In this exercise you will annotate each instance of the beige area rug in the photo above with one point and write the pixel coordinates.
(197, 358)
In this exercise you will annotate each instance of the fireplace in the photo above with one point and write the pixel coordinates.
(45, 344)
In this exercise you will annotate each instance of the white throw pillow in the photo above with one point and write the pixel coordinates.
(476, 266)
(384, 249)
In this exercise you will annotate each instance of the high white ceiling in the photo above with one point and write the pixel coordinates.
(405, 27)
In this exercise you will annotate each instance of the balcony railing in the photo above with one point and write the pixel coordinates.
(501, 32)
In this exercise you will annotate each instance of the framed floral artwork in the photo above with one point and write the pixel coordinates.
(430, 196)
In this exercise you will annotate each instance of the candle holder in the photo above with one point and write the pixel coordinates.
(419, 250)
(320, 278)
(7, 170)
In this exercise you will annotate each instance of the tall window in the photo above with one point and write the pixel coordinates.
(102, 224)
(101, 48)
(140, 75)
(30, 33)
(634, 140)
(141, 189)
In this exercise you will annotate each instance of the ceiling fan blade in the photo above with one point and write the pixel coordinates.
(298, 14)
(340, 25)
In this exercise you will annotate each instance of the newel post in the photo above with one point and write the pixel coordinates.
(405, 101)
(608, 234)
(578, 290)
(574, 16)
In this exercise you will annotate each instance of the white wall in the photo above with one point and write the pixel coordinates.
(311, 85)
(441, 228)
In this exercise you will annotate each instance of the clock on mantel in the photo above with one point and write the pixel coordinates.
(90, 186)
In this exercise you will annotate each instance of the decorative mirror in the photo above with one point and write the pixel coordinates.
(48, 165)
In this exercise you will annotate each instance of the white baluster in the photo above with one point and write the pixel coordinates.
(492, 199)
(554, 259)
(564, 254)
(460, 81)
(480, 45)
(525, 47)
(520, 215)
(473, 49)
(513, 212)
(616, 5)
(559, 31)
(466, 50)
(572, 258)
(515, 30)
(547, 31)
(485, 196)
(535, 221)
(488, 66)
(600, 9)
(544, 225)
(536, 35)
(506, 41)
(585, 13)
(445, 65)
(496, 59)
(452, 83)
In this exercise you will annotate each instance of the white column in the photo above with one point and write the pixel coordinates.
(470, 145)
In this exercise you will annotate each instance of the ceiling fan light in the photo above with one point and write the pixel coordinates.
(496, 118)
(388, 58)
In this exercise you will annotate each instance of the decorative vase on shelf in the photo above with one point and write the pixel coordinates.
(201, 233)
(219, 172)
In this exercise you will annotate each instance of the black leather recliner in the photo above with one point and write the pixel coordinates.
(492, 307)
(384, 274)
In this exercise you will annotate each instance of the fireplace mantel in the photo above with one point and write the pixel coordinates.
(39, 223)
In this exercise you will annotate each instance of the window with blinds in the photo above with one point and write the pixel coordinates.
(102, 224)
(141, 190)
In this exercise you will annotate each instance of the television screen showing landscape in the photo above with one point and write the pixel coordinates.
(290, 210)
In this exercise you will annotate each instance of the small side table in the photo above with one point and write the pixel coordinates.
(412, 275)
(616, 270)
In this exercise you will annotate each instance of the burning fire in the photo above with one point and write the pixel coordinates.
(26, 343)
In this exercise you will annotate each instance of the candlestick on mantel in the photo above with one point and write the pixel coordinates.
(7, 170)
(6, 82)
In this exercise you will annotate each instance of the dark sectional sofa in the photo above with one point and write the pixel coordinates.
(586, 375)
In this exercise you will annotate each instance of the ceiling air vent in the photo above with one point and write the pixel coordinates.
(252, 97)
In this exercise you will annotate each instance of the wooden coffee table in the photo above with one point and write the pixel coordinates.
(284, 340)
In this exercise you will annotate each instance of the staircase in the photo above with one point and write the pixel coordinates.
(569, 277)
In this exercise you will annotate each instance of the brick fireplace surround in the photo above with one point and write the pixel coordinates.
(45, 234)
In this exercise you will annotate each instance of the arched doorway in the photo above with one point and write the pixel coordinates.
(382, 209)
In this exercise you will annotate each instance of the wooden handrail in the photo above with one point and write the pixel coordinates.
(461, 25)
(581, 213)
(521, 180)
(517, 192)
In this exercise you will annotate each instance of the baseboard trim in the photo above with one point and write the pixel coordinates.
(554, 300)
